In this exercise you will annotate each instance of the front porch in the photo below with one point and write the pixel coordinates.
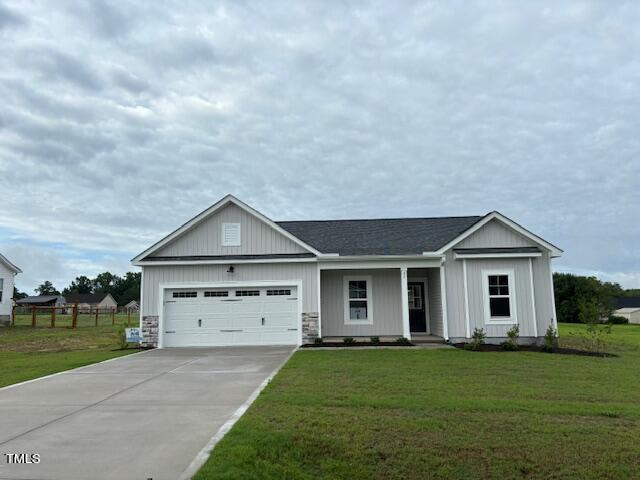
(391, 302)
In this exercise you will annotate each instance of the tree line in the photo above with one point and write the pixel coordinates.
(586, 299)
(122, 288)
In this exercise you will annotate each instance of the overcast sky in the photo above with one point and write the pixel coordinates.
(121, 120)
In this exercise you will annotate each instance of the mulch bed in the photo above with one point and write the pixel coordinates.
(533, 348)
(357, 344)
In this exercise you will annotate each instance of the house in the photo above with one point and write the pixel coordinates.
(91, 301)
(629, 308)
(232, 276)
(42, 301)
(8, 271)
(132, 306)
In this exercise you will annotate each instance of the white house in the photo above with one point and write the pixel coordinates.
(8, 271)
(232, 276)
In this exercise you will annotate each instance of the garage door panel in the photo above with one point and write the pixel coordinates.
(231, 320)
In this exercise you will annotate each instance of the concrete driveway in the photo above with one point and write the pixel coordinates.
(137, 417)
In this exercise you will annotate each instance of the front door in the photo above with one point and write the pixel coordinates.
(417, 312)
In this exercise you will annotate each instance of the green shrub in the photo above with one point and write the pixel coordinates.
(349, 340)
(375, 340)
(596, 336)
(477, 339)
(512, 338)
(403, 341)
(550, 339)
(318, 340)
(618, 320)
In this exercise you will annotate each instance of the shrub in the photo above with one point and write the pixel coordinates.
(512, 338)
(618, 320)
(477, 339)
(403, 341)
(318, 340)
(596, 336)
(349, 340)
(549, 339)
(375, 340)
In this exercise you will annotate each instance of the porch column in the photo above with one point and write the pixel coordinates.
(404, 297)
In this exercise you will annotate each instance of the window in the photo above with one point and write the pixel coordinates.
(1, 288)
(499, 296)
(357, 303)
(278, 292)
(230, 234)
(247, 293)
(217, 293)
(185, 294)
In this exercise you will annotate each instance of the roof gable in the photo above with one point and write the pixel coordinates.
(186, 238)
(5, 261)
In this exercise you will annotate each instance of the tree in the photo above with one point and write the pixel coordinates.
(46, 288)
(104, 282)
(81, 284)
(572, 290)
(17, 294)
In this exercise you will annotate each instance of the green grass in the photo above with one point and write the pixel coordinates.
(27, 353)
(413, 414)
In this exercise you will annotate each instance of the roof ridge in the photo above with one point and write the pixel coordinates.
(378, 219)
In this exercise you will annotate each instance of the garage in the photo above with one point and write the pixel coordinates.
(240, 315)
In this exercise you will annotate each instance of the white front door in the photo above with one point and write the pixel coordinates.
(230, 316)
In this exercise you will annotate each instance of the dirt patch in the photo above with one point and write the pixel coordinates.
(533, 348)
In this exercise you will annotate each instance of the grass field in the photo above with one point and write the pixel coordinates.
(414, 414)
(27, 353)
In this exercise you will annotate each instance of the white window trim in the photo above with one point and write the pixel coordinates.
(224, 237)
(369, 299)
(513, 319)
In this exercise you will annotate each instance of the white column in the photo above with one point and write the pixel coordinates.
(404, 293)
(443, 294)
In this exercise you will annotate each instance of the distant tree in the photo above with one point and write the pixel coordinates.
(574, 291)
(104, 283)
(17, 294)
(127, 288)
(46, 288)
(81, 284)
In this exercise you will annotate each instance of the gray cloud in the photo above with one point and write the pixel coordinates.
(9, 18)
(127, 119)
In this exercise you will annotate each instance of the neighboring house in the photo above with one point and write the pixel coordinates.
(91, 301)
(42, 301)
(231, 276)
(8, 271)
(629, 308)
(132, 306)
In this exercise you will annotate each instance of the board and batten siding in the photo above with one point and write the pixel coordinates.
(495, 234)
(7, 290)
(386, 306)
(256, 237)
(435, 302)
(153, 276)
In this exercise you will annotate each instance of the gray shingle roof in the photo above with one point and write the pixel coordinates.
(627, 302)
(85, 297)
(391, 236)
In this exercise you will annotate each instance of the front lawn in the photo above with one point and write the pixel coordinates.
(27, 353)
(413, 414)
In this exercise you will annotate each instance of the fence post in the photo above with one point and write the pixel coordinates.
(33, 317)
(113, 316)
(53, 317)
(13, 315)
(97, 311)
(74, 316)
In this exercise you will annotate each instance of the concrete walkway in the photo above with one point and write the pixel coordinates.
(138, 417)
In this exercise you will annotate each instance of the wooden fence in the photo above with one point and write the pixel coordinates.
(91, 316)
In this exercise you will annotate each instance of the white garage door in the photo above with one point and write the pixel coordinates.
(230, 316)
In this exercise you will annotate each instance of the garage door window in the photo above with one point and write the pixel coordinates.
(271, 293)
(185, 294)
(357, 300)
(217, 293)
(247, 293)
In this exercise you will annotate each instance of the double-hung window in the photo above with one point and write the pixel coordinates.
(499, 296)
(357, 300)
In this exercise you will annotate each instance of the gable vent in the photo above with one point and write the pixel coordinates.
(230, 234)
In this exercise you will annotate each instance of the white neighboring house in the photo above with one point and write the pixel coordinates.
(7, 273)
(232, 276)
(629, 308)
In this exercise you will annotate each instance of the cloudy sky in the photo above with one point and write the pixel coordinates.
(121, 120)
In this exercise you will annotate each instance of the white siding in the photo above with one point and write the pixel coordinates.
(385, 290)
(495, 234)
(7, 290)
(257, 238)
(435, 301)
(153, 276)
